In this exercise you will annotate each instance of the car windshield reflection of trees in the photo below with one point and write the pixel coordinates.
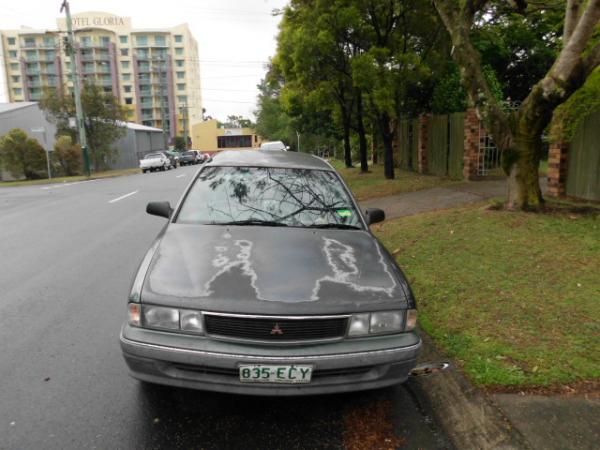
(276, 196)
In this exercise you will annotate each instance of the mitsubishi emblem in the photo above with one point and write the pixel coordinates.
(276, 330)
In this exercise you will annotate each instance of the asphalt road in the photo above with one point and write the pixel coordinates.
(67, 255)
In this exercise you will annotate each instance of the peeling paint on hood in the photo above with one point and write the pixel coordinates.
(255, 269)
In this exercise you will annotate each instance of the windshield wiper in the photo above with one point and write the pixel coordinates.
(341, 226)
(266, 223)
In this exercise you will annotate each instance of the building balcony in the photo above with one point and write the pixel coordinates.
(35, 96)
(87, 57)
(147, 116)
(34, 83)
(32, 71)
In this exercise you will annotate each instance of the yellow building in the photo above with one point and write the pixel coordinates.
(208, 137)
(154, 72)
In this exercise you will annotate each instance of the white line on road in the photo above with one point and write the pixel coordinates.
(182, 175)
(122, 197)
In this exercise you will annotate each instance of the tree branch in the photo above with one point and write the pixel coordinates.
(572, 15)
(569, 60)
(458, 22)
(591, 61)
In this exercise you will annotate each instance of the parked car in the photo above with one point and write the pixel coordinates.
(173, 157)
(280, 288)
(155, 161)
(201, 157)
(188, 158)
(274, 145)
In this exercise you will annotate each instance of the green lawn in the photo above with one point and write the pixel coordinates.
(374, 184)
(94, 176)
(514, 297)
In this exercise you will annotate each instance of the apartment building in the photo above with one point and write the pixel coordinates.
(154, 72)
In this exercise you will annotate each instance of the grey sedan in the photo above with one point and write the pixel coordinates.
(267, 280)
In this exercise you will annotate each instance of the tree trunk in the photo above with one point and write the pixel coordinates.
(347, 148)
(524, 190)
(374, 145)
(388, 151)
(362, 139)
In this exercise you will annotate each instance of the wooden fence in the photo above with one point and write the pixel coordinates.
(445, 145)
(583, 166)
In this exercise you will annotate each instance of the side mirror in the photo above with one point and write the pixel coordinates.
(162, 209)
(374, 215)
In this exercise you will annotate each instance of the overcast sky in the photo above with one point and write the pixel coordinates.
(235, 39)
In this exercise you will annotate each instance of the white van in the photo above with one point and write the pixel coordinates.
(274, 145)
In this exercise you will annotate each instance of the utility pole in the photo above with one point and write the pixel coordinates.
(185, 125)
(76, 91)
(163, 115)
(298, 134)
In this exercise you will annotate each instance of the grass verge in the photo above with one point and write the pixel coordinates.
(513, 296)
(374, 184)
(94, 176)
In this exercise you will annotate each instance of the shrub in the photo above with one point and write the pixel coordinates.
(22, 155)
(68, 156)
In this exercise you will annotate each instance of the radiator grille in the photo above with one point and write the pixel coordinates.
(267, 329)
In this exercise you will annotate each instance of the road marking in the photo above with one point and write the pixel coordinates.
(182, 175)
(122, 197)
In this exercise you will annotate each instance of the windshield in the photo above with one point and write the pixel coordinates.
(272, 196)
(152, 156)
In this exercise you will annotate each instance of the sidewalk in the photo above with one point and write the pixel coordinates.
(412, 203)
(472, 417)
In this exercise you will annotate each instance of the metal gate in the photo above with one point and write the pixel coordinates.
(489, 155)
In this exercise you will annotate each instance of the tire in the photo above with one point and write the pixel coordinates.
(143, 170)
(163, 168)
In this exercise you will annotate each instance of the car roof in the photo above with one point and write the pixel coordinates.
(260, 158)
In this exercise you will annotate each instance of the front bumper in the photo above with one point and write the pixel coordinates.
(203, 363)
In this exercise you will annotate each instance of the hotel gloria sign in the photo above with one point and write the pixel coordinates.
(100, 20)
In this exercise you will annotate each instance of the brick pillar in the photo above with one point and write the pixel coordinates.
(422, 148)
(557, 169)
(471, 146)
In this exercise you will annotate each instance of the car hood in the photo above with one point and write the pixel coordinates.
(273, 270)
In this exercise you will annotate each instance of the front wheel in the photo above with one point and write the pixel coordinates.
(163, 168)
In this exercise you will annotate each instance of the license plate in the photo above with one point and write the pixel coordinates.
(258, 373)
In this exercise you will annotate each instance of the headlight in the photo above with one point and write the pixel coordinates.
(386, 322)
(135, 314)
(382, 322)
(411, 320)
(191, 321)
(160, 317)
(164, 318)
(359, 325)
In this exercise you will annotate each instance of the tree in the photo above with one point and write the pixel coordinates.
(272, 122)
(22, 155)
(234, 121)
(518, 133)
(104, 119)
(68, 156)
(398, 48)
(313, 59)
(179, 143)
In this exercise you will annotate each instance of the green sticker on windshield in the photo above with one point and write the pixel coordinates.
(344, 213)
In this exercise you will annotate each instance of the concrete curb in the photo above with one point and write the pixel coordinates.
(469, 418)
